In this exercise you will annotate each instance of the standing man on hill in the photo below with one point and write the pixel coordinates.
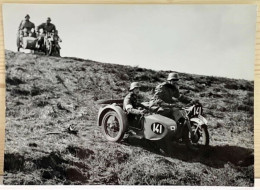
(26, 23)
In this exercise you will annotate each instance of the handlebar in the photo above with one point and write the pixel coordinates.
(146, 105)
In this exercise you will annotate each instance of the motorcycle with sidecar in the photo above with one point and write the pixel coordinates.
(39, 45)
(189, 126)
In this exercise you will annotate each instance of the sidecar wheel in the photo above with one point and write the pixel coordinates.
(112, 127)
(200, 139)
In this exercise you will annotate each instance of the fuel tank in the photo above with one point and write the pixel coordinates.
(157, 127)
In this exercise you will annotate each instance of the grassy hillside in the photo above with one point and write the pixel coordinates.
(46, 95)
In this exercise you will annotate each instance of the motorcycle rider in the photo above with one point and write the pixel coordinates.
(47, 28)
(32, 33)
(167, 96)
(26, 23)
(132, 105)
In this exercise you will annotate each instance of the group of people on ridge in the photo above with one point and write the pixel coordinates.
(166, 96)
(27, 29)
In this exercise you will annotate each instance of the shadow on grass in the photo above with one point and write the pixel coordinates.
(213, 156)
(51, 167)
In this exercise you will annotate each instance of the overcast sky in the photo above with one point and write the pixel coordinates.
(216, 40)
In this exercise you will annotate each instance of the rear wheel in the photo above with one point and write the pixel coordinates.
(199, 137)
(112, 127)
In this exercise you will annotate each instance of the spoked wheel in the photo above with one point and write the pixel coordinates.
(112, 126)
(199, 137)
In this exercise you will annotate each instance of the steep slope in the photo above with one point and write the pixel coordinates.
(46, 95)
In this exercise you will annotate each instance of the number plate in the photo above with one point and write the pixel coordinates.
(157, 128)
(197, 110)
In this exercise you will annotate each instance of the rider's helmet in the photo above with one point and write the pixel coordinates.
(134, 85)
(27, 16)
(173, 76)
(48, 19)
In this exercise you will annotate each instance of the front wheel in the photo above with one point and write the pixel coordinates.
(199, 137)
(49, 49)
(112, 127)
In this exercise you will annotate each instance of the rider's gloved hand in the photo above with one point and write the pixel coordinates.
(142, 112)
(167, 105)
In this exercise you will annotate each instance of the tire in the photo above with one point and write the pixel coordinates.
(49, 49)
(18, 41)
(45, 48)
(57, 51)
(112, 127)
(201, 139)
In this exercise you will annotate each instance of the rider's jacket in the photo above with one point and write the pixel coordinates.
(46, 27)
(131, 103)
(165, 93)
(26, 24)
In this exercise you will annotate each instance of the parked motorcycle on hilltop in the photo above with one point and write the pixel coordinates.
(189, 125)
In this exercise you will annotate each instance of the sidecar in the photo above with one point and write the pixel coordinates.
(114, 123)
(29, 45)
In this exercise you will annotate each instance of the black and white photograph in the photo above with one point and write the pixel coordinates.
(129, 94)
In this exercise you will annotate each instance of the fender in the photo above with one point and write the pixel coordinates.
(117, 109)
(200, 120)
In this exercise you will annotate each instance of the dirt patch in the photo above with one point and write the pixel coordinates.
(19, 92)
(80, 152)
(33, 145)
(121, 156)
(13, 162)
(13, 81)
(54, 166)
(54, 160)
(75, 174)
